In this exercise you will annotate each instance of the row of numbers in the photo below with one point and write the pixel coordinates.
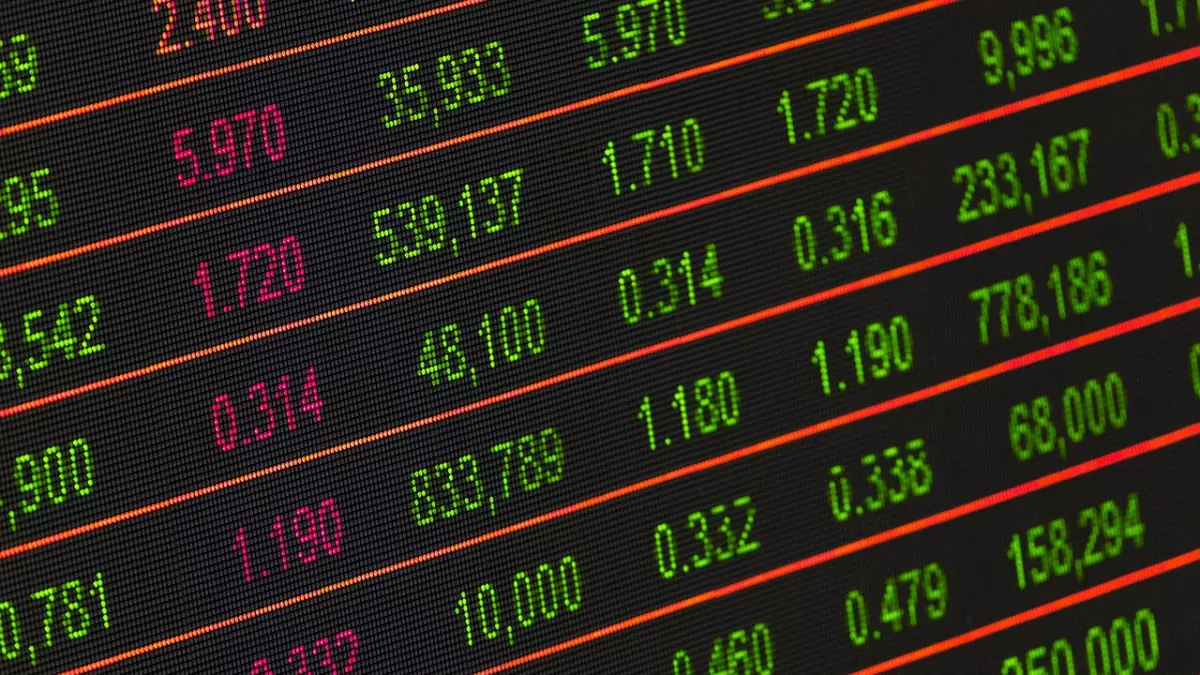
(459, 80)
(234, 142)
(633, 30)
(1038, 44)
(512, 334)
(478, 483)
(73, 335)
(430, 226)
(1046, 552)
(49, 479)
(71, 611)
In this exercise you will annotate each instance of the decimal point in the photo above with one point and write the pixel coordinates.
(685, 569)
(667, 442)
(876, 634)
(207, 176)
(187, 43)
(632, 187)
(858, 510)
(1169, 27)
(1187, 147)
(265, 573)
(616, 59)
(841, 386)
(824, 260)
(808, 135)
(245, 441)
(228, 308)
(1012, 80)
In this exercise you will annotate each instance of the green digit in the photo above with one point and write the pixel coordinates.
(1015, 555)
(818, 360)
(854, 350)
(785, 108)
(646, 416)
(679, 403)
(1195, 364)
(610, 160)
(49, 595)
(1181, 243)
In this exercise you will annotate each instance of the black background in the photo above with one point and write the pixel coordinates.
(151, 437)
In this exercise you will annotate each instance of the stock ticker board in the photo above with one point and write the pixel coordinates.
(679, 337)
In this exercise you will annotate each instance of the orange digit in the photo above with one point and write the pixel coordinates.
(164, 44)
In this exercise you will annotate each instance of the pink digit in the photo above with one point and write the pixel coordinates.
(331, 544)
(205, 283)
(281, 391)
(239, 545)
(261, 667)
(310, 398)
(309, 536)
(275, 148)
(226, 437)
(323, 645)
(260, 388)
(247, 117)
(244, 257)
(350, 638)
(292, 263)
(299, 651)
(186, 156)
(226, 148)
(277, 535)
(265, 294)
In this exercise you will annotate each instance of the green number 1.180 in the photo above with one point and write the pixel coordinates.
(714, 404)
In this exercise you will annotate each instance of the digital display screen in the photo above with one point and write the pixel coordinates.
(676, 337)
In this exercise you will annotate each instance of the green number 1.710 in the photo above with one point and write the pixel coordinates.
(714, 403)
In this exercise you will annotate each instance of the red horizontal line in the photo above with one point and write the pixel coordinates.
(678, 209)
(233, 68)
(721, 460)
(598, 366)
(542, 116)
(1121, 582)
(1145, 447)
